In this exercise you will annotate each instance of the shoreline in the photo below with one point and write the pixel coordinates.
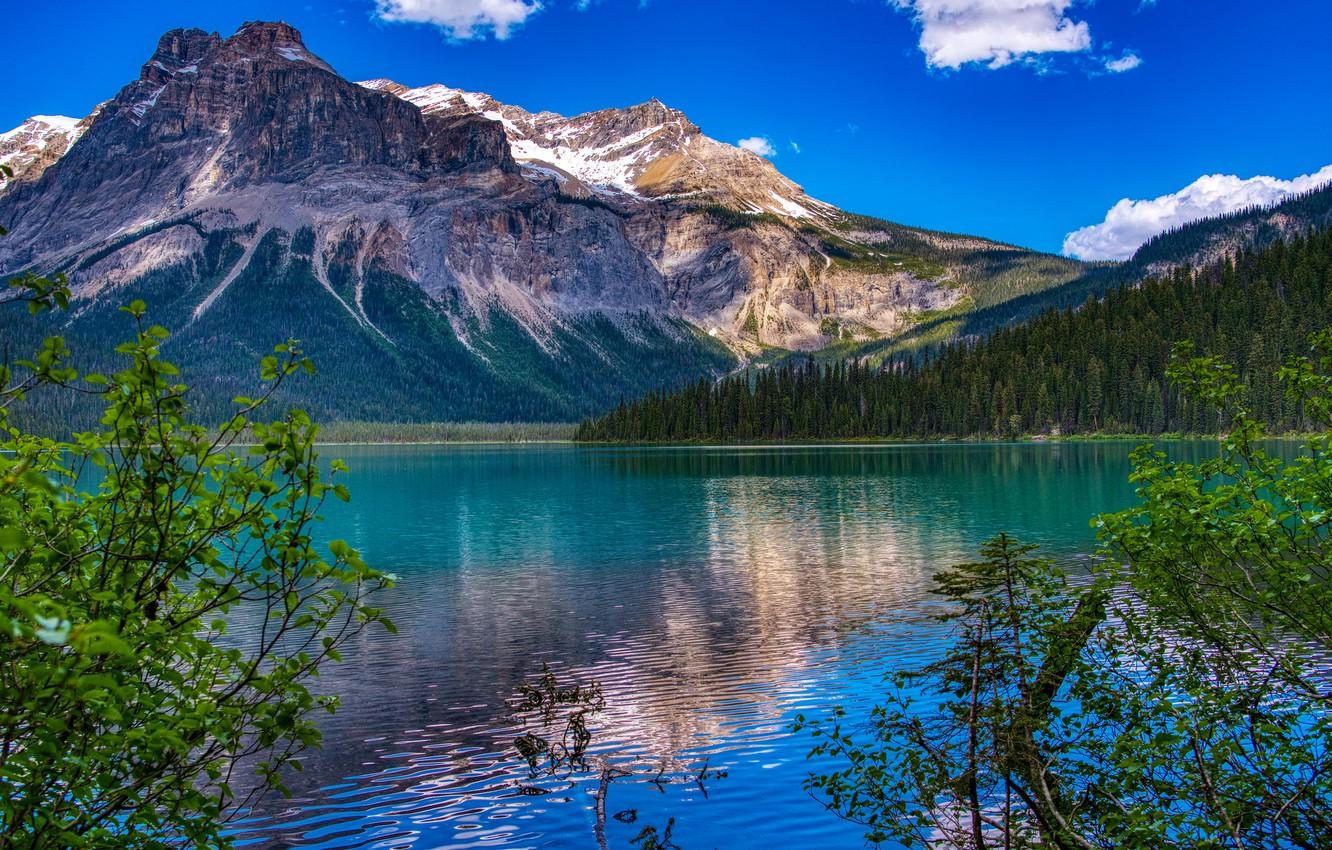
(815, 442)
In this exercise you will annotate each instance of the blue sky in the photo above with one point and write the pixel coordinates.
(995, 117)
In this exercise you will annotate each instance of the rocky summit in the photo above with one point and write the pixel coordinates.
(443, 255)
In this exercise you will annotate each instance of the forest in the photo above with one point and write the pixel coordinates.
(1096, 368)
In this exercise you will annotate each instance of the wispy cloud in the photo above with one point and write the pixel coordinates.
(795, 148)
(1130, 223)
(1127, 62)
(759, 145)
(996, 33)
(461, 19)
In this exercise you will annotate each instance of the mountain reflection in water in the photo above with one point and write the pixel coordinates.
(712, 592)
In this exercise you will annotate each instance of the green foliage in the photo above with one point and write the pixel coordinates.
(1313, 209)
(958, 756)
(846, 329)
(589, 201)
(1099, 368)
(93, 257)
(751, 323)
(733, 219)
(163, 604)
(1229, 740)
(880, 258)
(1179, 701)
(1016, 296)
(991, 273)
(303, 242)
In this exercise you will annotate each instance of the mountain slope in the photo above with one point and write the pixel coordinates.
(1194, 245)
(447, 256)
(1095, 369)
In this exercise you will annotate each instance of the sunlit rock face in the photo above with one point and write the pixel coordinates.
(739, 248)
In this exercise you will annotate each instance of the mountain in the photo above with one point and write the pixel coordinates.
(649, 151)
(446, 256)
(35, 145)
(1100, 368)
(1198, 244)
(1211, 240)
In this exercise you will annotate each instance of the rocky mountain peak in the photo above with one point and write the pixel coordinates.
(178, 49)
(209, 115)
(259, 39)
(645, 151)
(385, 85)
(267, 34)
(653, 111)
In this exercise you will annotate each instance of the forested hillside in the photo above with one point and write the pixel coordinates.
(420, 369)
(1097, 368)
(1198, 244)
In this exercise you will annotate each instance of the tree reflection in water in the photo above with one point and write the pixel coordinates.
(555, 744)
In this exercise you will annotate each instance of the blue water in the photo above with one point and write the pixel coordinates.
(713, 593)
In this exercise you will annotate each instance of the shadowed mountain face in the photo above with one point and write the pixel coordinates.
(443, 255)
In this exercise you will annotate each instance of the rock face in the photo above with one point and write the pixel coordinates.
(442, 227)
(644, 151)
(35, 145)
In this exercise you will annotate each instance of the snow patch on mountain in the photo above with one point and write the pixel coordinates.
(141, 108)
(38, 142)
(294, 54)
(42, 127)
(643, 152)
(791, 208)
(607, 168)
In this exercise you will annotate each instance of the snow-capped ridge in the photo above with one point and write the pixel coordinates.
(647, 151)
(58, 123)
(34, 145)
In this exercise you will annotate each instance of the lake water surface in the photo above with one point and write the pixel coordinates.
(713, 593)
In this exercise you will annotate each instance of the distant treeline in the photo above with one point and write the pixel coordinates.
(1098, 368)
(446, 432)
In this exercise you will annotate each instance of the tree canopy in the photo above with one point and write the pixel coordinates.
(1176, 698)
(164, 602)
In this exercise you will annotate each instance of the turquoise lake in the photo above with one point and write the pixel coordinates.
(713, 593)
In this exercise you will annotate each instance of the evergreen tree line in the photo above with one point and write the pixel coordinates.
(1098, 368)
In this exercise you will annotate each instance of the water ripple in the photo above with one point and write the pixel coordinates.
(713, 593)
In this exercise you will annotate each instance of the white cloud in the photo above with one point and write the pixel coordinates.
(997, 32)
(1130, 223)
(795, 148)
(1127, 62)
(758, 145)
(461, 19)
